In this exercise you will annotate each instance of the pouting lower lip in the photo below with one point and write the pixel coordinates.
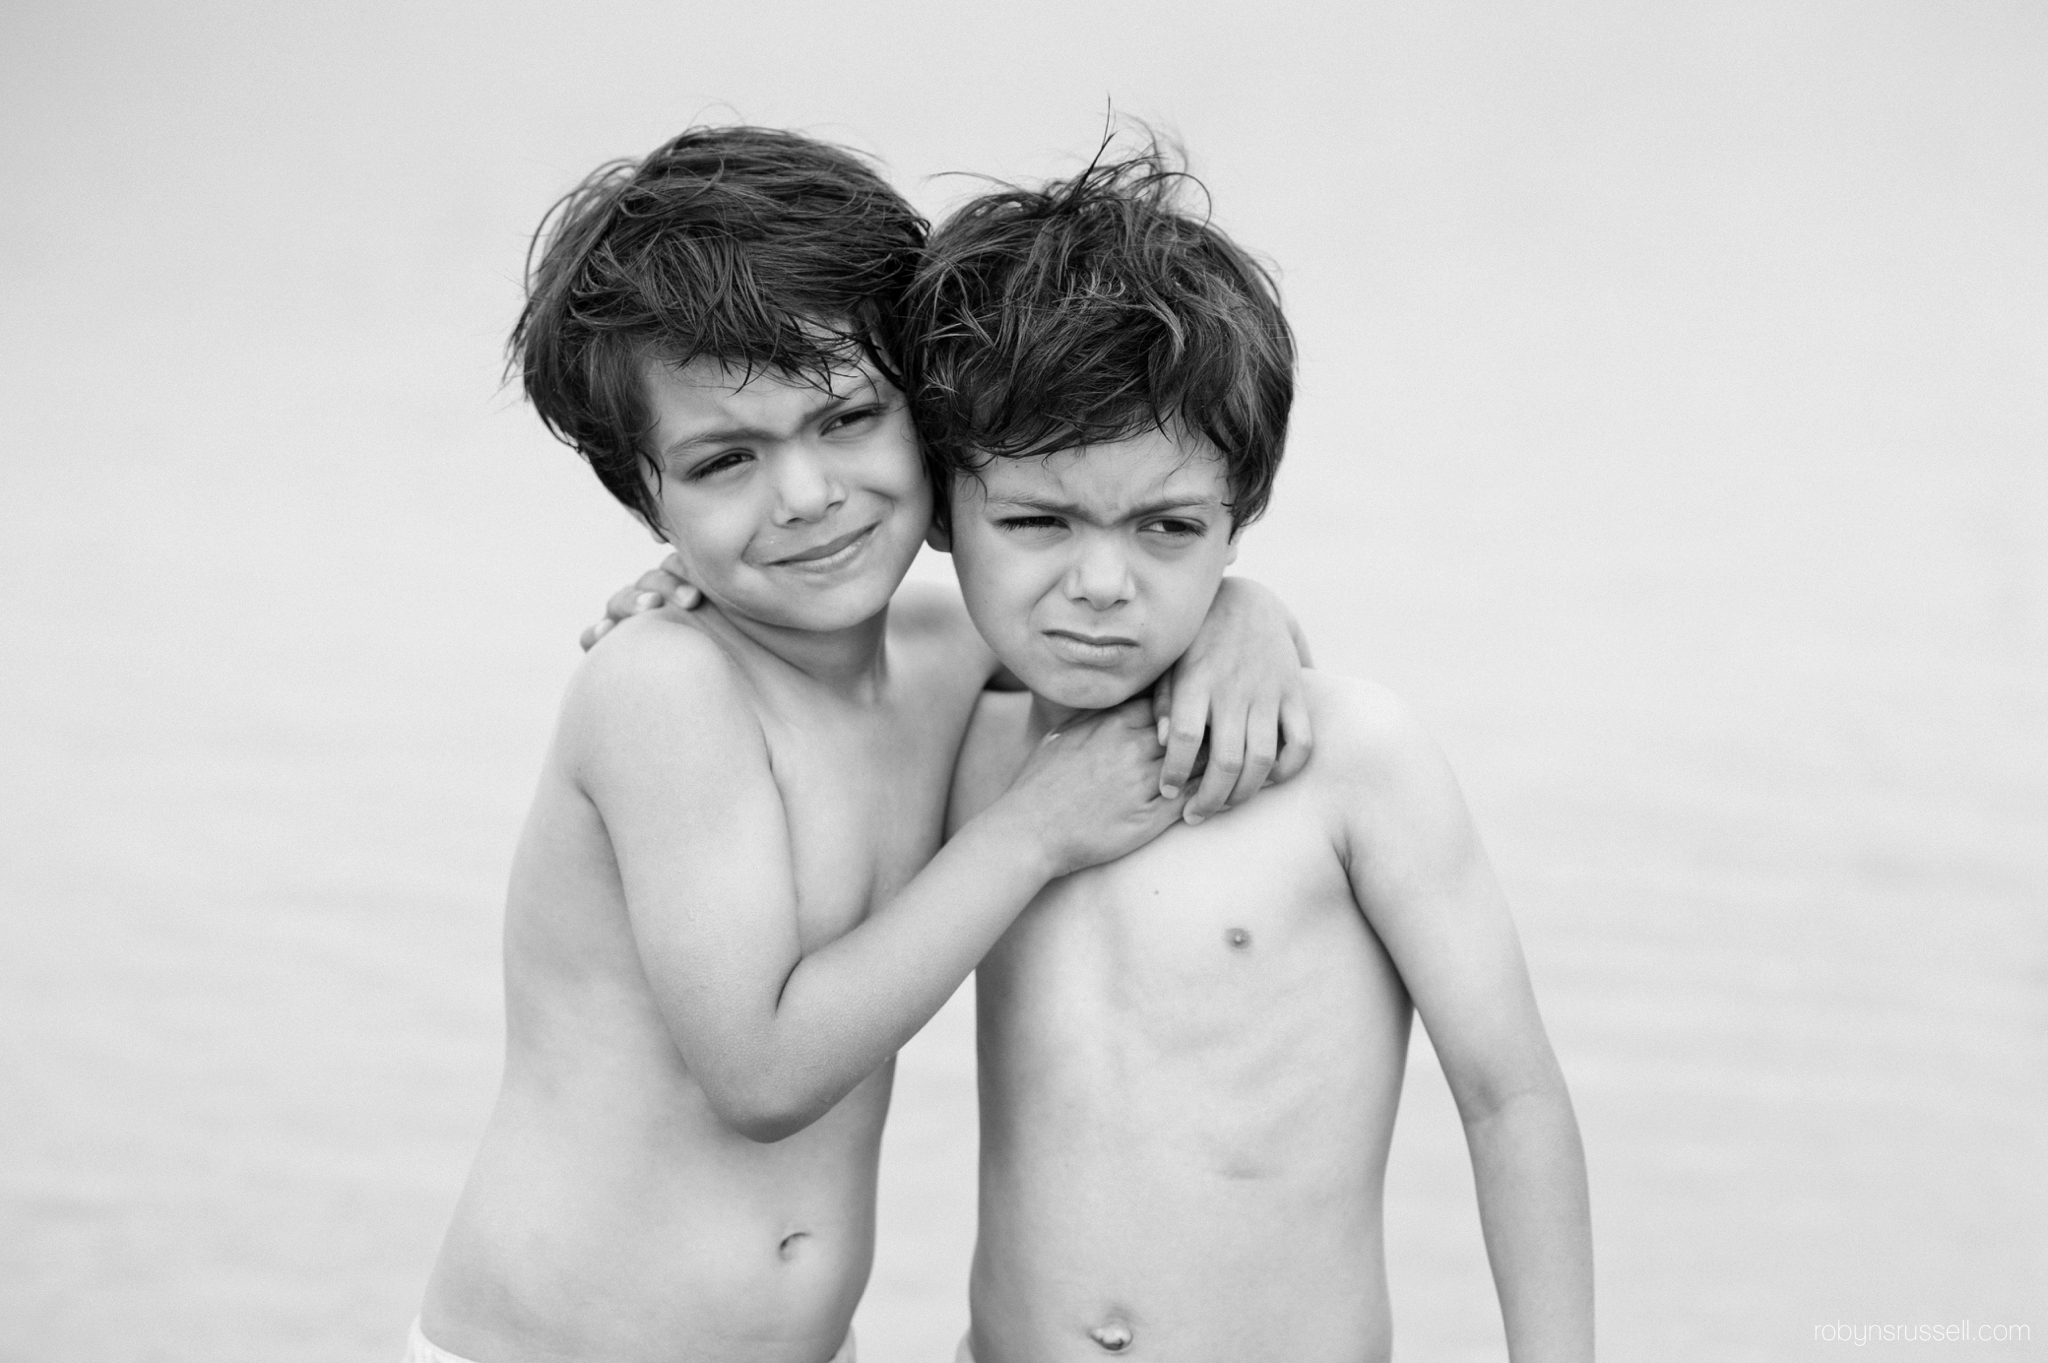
(1080, 649)
(1092, 641)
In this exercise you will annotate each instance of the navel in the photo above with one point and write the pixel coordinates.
(787, 1249)
(1114, 1336)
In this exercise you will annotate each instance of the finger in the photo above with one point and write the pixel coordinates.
(1297, 739)
(675, 584)
(1261, 744)
(1184, 727)
(1162, 704)
(625, 603)
(1226, 764)
(596, 632)
(1135, 714)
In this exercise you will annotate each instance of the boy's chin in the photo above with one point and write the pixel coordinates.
(843, 606)
(1087, 690)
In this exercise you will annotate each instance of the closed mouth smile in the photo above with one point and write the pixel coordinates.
(829, 554)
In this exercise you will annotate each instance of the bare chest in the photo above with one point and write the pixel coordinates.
(1201, 942)
(864, 805)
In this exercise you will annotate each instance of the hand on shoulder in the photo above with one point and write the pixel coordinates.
(655, 589)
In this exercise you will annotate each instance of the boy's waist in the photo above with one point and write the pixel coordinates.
(598, 1265)
(1182, 1283)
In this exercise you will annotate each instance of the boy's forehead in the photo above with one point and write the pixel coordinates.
(1110, 480)
(714, 378)
(710, 392)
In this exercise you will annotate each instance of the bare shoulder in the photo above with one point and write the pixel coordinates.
(656, 678)
(990, 754)
(998, 724)
(1361, 723)
(1374, 755)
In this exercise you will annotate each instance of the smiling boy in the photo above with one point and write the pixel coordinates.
(729, 906)
(1191, 1057)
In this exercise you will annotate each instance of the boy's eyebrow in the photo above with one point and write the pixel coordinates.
(1074, 511)
(739, 434)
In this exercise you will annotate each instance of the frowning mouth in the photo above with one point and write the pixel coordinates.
(1096, 650)
(830, 554)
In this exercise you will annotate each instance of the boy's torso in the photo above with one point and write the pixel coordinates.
(1190, 1063)
(610, 1212)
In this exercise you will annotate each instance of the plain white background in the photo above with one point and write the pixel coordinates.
(1671, 432)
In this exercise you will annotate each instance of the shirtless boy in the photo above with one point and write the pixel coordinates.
(1190, 1058)
(729, 906)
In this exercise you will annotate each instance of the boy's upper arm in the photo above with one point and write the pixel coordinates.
(667, 747)
(987, 758)
(1422, 879)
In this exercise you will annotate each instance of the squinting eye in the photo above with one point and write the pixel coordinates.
(1029, 523)
(858, 416)
(1179, 529)
(720, 463)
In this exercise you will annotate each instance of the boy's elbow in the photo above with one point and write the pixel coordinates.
(765, 1111)
(767, 1128)
(1487, 1098)
(767, 1125)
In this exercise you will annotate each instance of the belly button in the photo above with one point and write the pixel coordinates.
(1114, 1337)
(1238, 937)
(787, 1249)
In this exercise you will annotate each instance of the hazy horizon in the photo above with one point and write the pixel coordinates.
(1671, 434)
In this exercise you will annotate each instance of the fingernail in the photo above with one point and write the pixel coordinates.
(598, 630)
(647, 600)
(1170, 792)
(1192, 818)
(1164, 728)
(685, 597)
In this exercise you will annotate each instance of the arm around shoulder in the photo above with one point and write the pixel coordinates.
(663, 740)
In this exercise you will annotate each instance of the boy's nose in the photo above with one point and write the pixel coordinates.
(1100, 575)
(805, 488)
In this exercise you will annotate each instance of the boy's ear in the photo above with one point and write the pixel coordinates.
(1231, 557)
(939, 538)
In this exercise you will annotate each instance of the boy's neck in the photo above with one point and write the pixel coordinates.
(1048, 716)
(852, 662)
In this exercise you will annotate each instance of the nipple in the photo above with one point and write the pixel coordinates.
(1238, 938)
(1114, 1337)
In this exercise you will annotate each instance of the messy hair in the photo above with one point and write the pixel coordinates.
(1089, 310)
(768, 250)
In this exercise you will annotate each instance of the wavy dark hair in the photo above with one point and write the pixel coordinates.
(1091, 309)
(765, 249)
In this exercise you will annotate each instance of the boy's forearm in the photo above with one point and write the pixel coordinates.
(1530, 1171)
(847, 1007)
(1247, 593)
